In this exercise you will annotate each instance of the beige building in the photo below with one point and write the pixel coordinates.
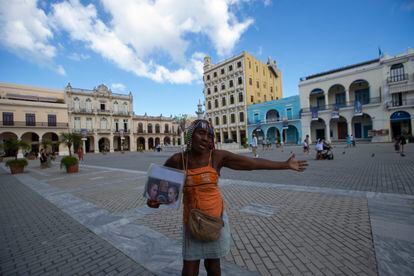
(33, 114)
(372, 100)
(233, 84)
(108, 122)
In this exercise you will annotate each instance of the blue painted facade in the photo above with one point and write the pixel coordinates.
(275, 121)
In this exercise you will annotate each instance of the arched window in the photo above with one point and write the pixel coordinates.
(224, 119)
(209, 105)
(166, 128)
(88, 105)
(272, 115)
(140, 128)
(149, 127)
(216, 103)
(116, 108)
(397, 73)
(76, 104)
(157, 128)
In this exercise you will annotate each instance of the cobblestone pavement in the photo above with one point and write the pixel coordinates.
(329, 220)
(37, 238)
(366, 167)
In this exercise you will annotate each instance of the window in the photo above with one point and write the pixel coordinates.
(239, 64)
(89, 123)
(125, 125)
(241, 117)
(116, 125)
(240, 80)
(116, 107)
(231, 99)
(215, 74)
(77, 123)
(397, 73)
(289, 113)
(215, 88)
(217, 121)
(223, 86)
(51, 120)
(140, 128)
(257, 84)
(208, 77)
(362, 96)
(271, 98)
(230, 67)
(209, 105)
(250, 64)
(88, 105)
(257, 69)
(231, 83)
(271, 89)
(240, 97)
(250, 81)
(157, 128)
(102, 106)
(340, 99)
(224, 119)
(30, 119)
(104, 123)
(222, 71)
(208, 91)
(166, 128)
(223, 101)
(76, 104)
(216, 103)
(209, 119)
(232, 118)
(149, 128)
(8, 119)
(251, 99)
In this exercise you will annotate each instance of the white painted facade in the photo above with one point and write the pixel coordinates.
(382, 86)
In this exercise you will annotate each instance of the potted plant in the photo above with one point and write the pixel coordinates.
(70, 162)
(16, 165)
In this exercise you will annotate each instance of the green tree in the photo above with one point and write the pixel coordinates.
(13, 146)
(69, 139)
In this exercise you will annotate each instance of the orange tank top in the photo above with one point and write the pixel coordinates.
(201, 191)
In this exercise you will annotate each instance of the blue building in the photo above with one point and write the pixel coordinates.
(275, 121)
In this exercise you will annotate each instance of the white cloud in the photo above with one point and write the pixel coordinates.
(78, 56)
(118, 87)
(24, 30)
(137, 33)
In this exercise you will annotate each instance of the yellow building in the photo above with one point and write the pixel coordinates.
(233, 84)
(33, 114)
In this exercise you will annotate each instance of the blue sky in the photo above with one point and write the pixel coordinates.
(155, 48)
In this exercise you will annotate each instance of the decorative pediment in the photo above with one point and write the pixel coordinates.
(102, 90)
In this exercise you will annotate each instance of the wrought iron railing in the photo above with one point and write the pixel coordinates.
(375, 100)
(397, 78)
(31, 124)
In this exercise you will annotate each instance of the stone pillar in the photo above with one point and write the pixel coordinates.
(326, 99)
(306, 130)
(221, 136)
(111, 143)
(238, 136)
(146, 143)
(96, 144)
(347, 96)
(132, 143)
(328, 132)
(349, 125)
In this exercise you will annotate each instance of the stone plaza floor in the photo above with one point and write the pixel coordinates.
(353, 215)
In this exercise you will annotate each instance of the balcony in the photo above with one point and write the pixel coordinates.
(126, 132)
(121, 113)
(104, 111)
(397, 78)
(81, 110)
(272, 121)
(376, 100)
(16, 124)
(400, 103)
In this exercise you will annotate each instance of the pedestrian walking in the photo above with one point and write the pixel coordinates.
(254, 146)
(402, 142)
(80, 153)
(201, 193)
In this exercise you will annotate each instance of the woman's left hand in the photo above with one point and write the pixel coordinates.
(296, 165)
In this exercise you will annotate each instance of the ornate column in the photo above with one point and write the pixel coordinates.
(96, 143)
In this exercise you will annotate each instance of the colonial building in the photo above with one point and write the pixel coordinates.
(233, 84)
(108, 122)
(371, 100)
(151, 131)
(33, 114)
(275, 121)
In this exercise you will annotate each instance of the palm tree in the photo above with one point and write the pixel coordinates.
(70, 139)
(14, 145)
(46, 144)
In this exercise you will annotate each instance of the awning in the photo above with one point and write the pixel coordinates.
(402, 88)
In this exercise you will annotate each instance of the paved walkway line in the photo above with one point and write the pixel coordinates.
(151, 249)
